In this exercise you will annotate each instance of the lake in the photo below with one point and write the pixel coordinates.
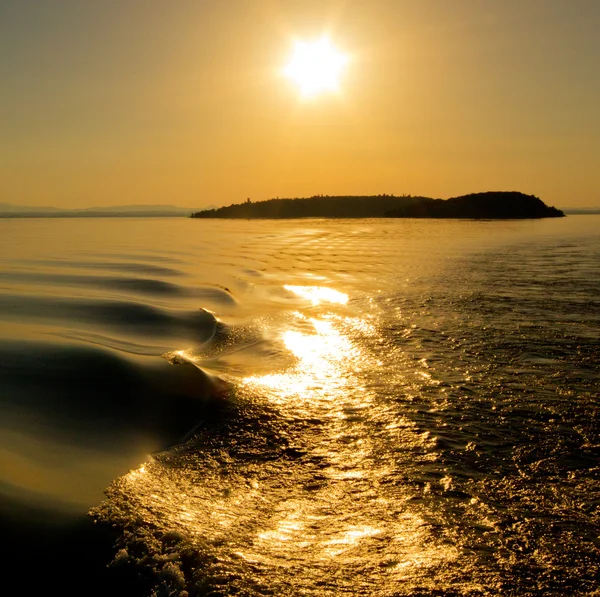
(301, 407)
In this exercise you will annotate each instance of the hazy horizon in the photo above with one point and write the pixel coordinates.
(7, 207)
(186, 103)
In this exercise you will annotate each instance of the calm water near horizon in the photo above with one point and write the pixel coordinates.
(301, 407)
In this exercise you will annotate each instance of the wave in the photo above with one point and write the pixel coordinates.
(130, 317)
(92, 393)
(118, 266)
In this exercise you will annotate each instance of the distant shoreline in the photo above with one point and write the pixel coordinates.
(486, 205)
(11, 210)
(56, 216)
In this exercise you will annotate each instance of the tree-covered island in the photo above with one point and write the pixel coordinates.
(489, 205)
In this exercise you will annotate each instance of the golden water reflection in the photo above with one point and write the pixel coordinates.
(346, 518)
(328, 360)
(319, 294)
(324, 368)
(329, 513)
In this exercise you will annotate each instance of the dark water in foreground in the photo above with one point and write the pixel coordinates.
(301, 407)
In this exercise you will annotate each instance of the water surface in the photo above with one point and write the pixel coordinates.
(313, 407)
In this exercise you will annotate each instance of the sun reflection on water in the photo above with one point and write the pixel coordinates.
(319, 294)
(322, 373)
(330, 510)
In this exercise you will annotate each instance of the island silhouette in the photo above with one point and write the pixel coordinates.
(489, 205)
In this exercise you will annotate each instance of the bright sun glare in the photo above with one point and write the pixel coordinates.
(316, 66)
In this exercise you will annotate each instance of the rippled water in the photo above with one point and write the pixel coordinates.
(352, 407)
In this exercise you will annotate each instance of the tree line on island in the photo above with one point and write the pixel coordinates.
(488, 205)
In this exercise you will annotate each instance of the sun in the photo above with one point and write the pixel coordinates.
(316, 67)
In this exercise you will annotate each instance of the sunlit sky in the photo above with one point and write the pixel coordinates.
(186, 103)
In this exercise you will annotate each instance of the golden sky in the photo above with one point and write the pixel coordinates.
(119, 102)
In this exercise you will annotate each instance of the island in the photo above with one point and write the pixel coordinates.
(491, 205)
